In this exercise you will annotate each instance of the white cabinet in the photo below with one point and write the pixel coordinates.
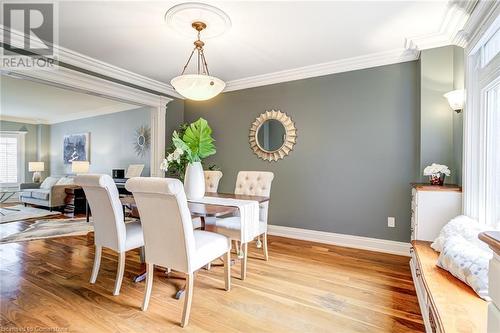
(431, 208)
(494, 292)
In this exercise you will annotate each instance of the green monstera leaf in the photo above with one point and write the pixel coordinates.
(198, 137)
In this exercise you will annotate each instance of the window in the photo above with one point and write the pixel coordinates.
(482, 130)
(11, 158)
(493, 189)
(490, 48)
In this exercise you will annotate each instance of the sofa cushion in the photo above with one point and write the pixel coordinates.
(49, 182)
(65, 181)
(26, 194)
(40, 194)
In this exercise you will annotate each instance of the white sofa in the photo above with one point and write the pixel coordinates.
(50, 193)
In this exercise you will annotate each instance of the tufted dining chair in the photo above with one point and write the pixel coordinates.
(110, 230)
(212, 179)
(170, 240)
(249, 183)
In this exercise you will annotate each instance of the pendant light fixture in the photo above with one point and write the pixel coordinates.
(200, 86)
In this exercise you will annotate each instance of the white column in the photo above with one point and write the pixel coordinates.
(158, 115)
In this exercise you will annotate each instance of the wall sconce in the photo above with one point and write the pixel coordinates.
(456, 99)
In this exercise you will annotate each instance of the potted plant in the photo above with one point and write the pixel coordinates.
(437, 173)
(196, 144)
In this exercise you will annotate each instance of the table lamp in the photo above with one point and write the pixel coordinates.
(78, 167)
(36, 168)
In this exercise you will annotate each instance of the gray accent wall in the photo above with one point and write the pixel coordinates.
(441, 71)
(111, 141)
(173, 119)
(356, 154)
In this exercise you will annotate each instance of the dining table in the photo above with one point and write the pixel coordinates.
(203, 211)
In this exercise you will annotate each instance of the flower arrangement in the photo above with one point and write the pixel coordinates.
(190, 143)
(437, 173)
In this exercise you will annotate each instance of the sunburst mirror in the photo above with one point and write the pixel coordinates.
(272, 135)
(142, 140)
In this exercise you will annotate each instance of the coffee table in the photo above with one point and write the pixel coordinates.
(6, 194)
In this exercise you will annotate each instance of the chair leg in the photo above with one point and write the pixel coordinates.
(237, 248)
(141, 255)
(266, 255)
(227, 270)
(244, 261)
(97, 263)
(119, 273)
(149, 285)
(188, 300)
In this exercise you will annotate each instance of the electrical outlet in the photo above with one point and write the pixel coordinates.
(391, 222)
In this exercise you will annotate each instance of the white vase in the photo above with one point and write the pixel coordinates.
(194, 181)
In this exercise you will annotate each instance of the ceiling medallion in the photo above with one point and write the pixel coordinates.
(200, 86)
(181, 17)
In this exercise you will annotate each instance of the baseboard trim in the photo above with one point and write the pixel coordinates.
(357, 242)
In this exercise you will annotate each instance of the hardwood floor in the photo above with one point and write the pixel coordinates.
(304, 287)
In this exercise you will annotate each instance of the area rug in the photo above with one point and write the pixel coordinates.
(49, 229)
(24, 213)
(43, 229)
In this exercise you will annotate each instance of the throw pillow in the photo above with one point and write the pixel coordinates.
(65, 181)
(48, 183)
(460, 226)
(467, 262)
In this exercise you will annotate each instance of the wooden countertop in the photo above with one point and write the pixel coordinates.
(429, 187)
(492, 238)
(458, 308)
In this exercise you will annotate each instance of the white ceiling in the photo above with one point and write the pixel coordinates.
(265, 37)
(34, 102)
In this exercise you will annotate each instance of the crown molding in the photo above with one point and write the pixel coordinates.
(460, 21)
(454, 19)
(482, 18)
(71, 116)
(22, 120)
(92, 65)
(327, 68)
(91, 113)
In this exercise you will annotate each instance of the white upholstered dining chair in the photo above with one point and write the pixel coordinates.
(248, 183)
(170, 240)
(110, 229)
(212, 179)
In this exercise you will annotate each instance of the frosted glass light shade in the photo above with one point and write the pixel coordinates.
(80, 167)
(456, 99)
(198, 87)
(36, 166)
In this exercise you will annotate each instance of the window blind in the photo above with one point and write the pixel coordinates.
(8, 159)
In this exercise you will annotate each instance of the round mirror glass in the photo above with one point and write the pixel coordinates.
(271, 135)
(141, 140)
